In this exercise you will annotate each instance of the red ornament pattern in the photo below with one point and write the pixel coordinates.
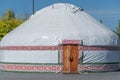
(70, 42)
(34, 68)
(56, 68)
(88, 48)
(99, 67)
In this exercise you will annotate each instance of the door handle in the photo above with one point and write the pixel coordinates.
(71, 59)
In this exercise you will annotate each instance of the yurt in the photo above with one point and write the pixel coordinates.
(60, 38)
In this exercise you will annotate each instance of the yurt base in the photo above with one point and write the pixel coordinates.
(56, 68)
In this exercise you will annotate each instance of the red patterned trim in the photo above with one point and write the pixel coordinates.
(31, 48)
(31, 68)
(89, 48)
(101, 67)
(70, 42)
(57, 68)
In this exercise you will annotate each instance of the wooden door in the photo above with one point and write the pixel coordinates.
(74, 62)
(70, 59)
(66, 56)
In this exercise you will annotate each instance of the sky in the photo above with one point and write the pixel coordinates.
(106, 10)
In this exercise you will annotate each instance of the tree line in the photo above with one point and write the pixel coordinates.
(8, 22)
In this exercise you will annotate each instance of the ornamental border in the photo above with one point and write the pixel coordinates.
(56, 68)
(87, 48)
(71, 42)
(30, 68)
(104, 67)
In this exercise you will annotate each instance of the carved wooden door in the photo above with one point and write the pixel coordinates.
(70, 58)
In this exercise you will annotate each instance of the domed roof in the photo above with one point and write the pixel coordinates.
(58, 22)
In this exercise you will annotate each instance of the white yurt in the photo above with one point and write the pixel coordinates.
(60, 38)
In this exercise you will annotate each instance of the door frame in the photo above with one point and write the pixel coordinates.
(70, 43)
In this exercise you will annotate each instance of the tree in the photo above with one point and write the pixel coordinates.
(8, 22)
(118, 28)
(8, 15)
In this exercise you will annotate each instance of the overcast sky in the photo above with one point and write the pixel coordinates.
(106, 10)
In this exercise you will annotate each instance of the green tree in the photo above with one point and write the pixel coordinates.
(118, 28)
(8, 22)
(8, 15)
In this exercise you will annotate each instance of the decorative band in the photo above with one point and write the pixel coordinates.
(31, 48)
(31, 68)
(57, 68)
(99, 67)
(71, 42)
(88, 48)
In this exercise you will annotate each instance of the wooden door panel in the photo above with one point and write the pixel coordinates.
(66, 56)
(74, 63)
(70, 59)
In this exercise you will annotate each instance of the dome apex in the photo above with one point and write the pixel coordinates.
(63, 5)
(66, 6)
